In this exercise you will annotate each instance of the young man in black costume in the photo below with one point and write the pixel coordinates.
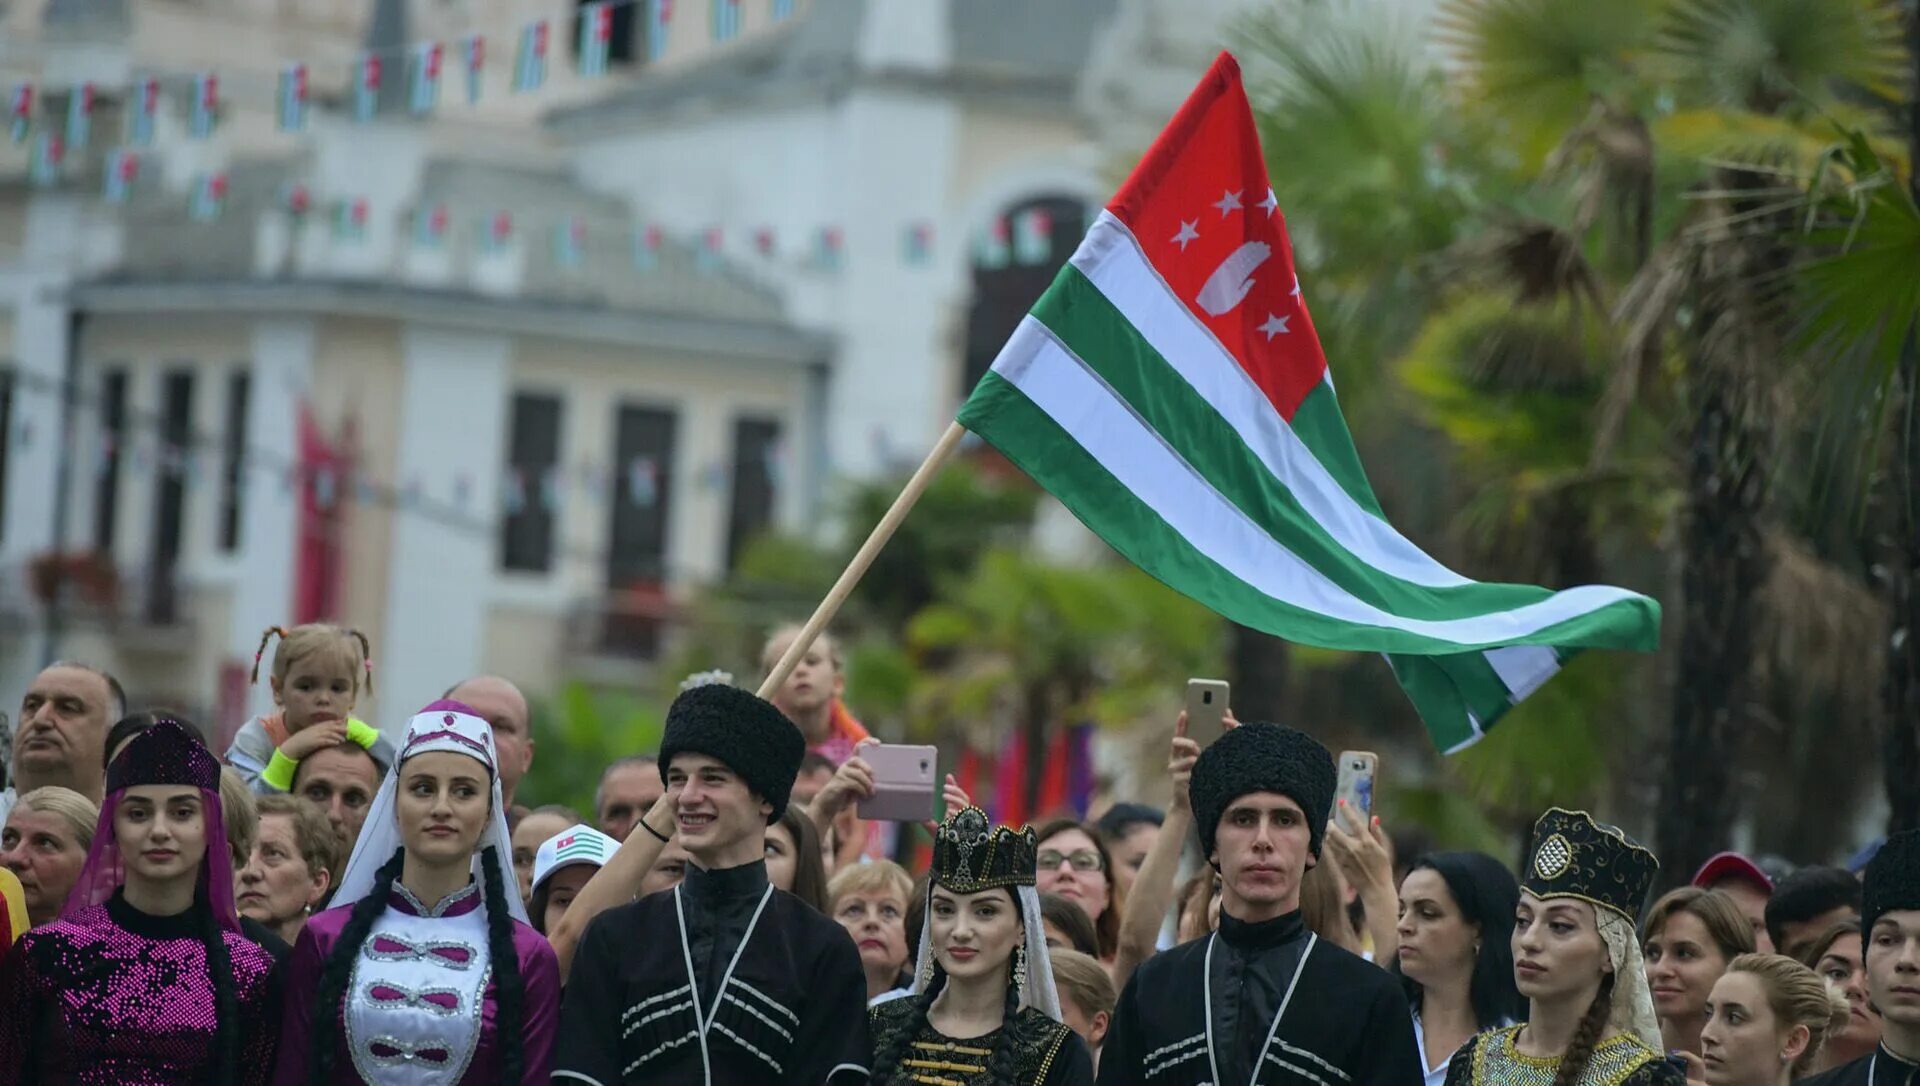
(1890, 917)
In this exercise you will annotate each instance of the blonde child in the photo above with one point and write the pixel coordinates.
(316, 677)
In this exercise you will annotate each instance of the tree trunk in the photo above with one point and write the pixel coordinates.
(1900, 764)
(1258, 664)
(1723, 565)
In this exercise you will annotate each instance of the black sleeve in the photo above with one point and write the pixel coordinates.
(1072, 1064)
(1120, 1054)
(1460, 1068)
(835, 1041)
(1660, 1072)
(1389, 1056)
(588, 1048)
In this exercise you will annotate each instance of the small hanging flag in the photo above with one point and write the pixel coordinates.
(646, 247)
(726, 19)
(919, 243)
(79, 116)
(550, 487)
(206, 105)
(658, 13)
(293, 98)
(763, 241)
(497, 232)
(295, 199)
(570, 242)
(596, 37)
(430, 226)
(209, 196)
(366, 87)
(146, 106)
(711, 243)
(994, 249)
(829, 247)
(350, 218)
(473, 51)
(513, 491)
(782, 10)
(643, 482)
(20, 110)
(1033, 236)
(123, 168)
(530, 66)
(48, 152)
(423, 92)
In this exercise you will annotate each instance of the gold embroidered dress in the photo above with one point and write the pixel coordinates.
(1491, 1059)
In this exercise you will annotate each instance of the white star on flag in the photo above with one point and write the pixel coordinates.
(1295, 293)
(1275, 325)
(1189, 231)
(1228, 202)
(1270, 203)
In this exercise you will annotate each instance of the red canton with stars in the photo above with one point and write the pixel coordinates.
(1201, 207)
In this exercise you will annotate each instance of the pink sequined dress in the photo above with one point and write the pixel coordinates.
(111, 995)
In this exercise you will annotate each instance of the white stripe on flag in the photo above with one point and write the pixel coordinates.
(1062, 386)
(1523, 668)
(1111, 258)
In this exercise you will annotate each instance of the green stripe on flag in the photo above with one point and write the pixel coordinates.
(1323, 429)
(579, 849)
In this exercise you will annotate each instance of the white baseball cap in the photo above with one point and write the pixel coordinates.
(575, 845)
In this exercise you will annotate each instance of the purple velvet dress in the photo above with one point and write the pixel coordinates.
(112, 995)
(420, 1008)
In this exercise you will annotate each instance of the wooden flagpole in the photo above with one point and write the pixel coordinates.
(863, 558)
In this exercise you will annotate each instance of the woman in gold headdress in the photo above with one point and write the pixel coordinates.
(983, 1010)
(1577, 960)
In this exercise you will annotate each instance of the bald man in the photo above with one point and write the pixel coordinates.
(501, 704)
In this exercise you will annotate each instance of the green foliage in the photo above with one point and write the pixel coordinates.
(579, 731)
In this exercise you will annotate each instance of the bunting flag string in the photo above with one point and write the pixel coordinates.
(530, 64)
(206, 105)
(293, 98)
(146, 107)
(123, 168)
(209, 196)
(424, 88)
(658, 14)
(596, 37)
(79, 116)
(43, 169)
(473, 51)
(366, 87)
(430, 226)
(20, 111)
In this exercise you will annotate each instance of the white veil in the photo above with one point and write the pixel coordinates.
(447, 726)
(1039, 991)
(1632, 1010)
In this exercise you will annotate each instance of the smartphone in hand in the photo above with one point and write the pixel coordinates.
(1206, 709)
(906, 782)
(1358, 771)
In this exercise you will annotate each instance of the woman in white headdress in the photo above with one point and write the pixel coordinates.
(983, 1010)
(425, 972)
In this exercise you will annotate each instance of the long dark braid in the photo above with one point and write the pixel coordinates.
(888, 1058)
(509, 988)
(1000, 1069)
(338, 971)
(1586, 1035)
(225, 1006)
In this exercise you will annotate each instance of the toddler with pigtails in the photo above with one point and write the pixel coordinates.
(317, 673)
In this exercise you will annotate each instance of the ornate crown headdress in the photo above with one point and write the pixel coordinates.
(970, 854)
(1575, 856)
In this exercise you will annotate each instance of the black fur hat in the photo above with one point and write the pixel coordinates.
(1263, 758)
(749, 735)
(1893, 879)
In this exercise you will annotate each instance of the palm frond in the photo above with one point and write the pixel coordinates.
(1767, 56)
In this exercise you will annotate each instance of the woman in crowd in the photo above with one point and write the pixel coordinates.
(870, 901)
(45, 844)
(1087, 997)
(1768, 1016)
(794, 863)
(535, 827)
(1066, 926)
(1455, 953)
(561, 866)
(983, 1001)
(296, 858)
(1074, 863)
(146, 973)
(1577, 961)
(1838, 955)
(419, 965)
(1691, 935)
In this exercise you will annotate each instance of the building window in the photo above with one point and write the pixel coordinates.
(1013, 264)
(113, 450)
(6, 438)
(233, 459)
(533, 456)
(642, 484)
(169, 509)
(726, 19)
(756, 478)
(632, 35)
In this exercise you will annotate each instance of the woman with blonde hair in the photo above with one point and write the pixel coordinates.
(1767, 1019)
(44, 844)
(1687, 939)
(870, 901)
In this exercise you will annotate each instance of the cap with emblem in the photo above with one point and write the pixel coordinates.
(575, 845)
(1575, 856)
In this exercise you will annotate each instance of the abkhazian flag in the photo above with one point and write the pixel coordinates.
(423, 88)
(293, 98)
(43, 164)
(596, 37)
(570, 242)
(79, 116)
(474, 50)
(209, 195)
(206, 105)
(20, 111)
(430, 226)
(350, 218)
(146, 106)
(1170, 390)
(530, 65)
(496, 232)
(659, 13)
(123, 168)
(646, 247)
(366, 86)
